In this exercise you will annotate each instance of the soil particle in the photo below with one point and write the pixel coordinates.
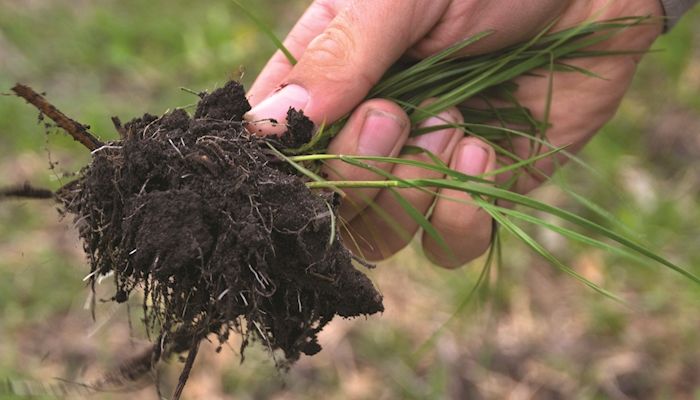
(207, 221)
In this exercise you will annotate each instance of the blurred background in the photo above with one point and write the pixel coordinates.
(535, 334)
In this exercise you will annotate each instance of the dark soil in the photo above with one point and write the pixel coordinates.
(217, 231)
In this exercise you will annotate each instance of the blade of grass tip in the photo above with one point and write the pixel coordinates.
(508, 115)
(463, 304)
(409, 150)
(547, 109)
(264, 28)
(435, 159)
(524, 163)
(495, 75)
(599, 211)
(498, 245)
(560, 182)
(542, 252)
(576, 236)
(497, 193)
(410, 73)
(564, 67)
(481, 82)
(529, 119)
(560, 44)
(496, 113)
(569, 156)
(467, 128)
(606, 53)
(502, 194)
(608, 217)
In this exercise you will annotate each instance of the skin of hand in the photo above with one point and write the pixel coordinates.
(343, 48)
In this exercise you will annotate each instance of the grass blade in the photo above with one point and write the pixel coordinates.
(264, 28)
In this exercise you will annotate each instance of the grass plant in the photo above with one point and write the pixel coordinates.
(450, 80)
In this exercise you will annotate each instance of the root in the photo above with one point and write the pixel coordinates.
(186, 370)
(78, 131)
(26, 191)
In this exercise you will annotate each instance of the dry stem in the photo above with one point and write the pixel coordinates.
(186, 371)
(26, 191)
(77, 130)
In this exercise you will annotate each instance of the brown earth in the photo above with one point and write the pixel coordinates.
(217, 231)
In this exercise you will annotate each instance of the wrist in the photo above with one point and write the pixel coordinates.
(674, 10)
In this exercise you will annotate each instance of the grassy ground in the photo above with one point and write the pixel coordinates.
(536, 334)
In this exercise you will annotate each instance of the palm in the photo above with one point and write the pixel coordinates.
(580, 104)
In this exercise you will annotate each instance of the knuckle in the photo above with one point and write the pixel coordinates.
(332, 48)
(334, 55)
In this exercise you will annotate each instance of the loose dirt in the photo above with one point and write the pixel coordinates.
(219, 233)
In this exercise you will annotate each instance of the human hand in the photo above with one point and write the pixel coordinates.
(345, 46)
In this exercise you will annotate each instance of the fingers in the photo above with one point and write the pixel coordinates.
(311, 24)
(377, 128)
(464, 227)
(339, 66)
(385, 227)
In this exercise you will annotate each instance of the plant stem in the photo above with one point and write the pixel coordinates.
(186, 370)
(357, 184)
(26, 191)
(78, 131)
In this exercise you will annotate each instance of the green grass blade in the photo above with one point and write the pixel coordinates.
(503, 194)
(463, 304)
(576, 236)
(264, 28)
(304, 171)
(422, 222)
(541, 251)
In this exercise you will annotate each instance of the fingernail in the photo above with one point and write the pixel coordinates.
(436, 142)
(277, 105)
(472, 159)
(380, 133)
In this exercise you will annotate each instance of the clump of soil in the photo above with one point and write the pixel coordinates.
(217, 230)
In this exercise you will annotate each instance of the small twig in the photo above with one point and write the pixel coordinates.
(26, 191)
(119, 127)
(190, 91)
(78, 131)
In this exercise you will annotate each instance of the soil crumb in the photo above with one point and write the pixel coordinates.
(217, 231)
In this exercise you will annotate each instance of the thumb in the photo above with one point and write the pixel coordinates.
(342, 64)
